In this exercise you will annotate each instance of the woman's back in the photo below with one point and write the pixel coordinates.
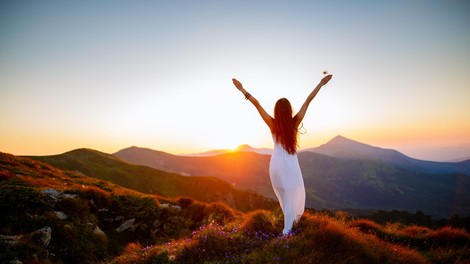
(282, 163)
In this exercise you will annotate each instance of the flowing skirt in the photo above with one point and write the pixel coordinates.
(288, 184)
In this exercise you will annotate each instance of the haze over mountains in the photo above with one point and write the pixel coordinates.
(340, 174)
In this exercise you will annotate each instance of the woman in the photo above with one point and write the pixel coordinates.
(284, 169)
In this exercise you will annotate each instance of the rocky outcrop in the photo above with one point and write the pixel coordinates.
(167, 206)
(56, 194)
(126, 225)
(61, 215)
(42, 237)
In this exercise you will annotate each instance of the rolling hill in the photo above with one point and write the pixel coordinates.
(246, 170)
(374, 179)
(153, 181)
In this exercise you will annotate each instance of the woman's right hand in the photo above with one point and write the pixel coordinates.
(237, 84)
(326, 79)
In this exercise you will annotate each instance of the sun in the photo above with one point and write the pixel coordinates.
(227, 142)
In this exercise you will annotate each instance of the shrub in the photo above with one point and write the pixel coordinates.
(366, 226)
(131, 254)
(16, 196)
(261, 222)
(450, 237)
(100, 197)
(76, 243)
(342, 217)
(185, 202)
(393, 227)
(76, 209)
(449, 255)
(197, 212)
(416, 231)
(219, 213)
(211, 243)
(135, 206)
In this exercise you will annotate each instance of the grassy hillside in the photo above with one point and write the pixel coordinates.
(84, 215)
(35, 195)
(246, 170)
(152, 181)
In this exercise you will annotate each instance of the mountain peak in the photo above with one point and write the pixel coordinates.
(244, 147)
(340, 140)
(343, 147)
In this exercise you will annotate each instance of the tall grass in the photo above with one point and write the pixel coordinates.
(317, 238)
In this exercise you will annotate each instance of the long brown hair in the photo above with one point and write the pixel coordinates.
(285, 128)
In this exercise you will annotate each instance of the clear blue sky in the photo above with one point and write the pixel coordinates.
(111, 74)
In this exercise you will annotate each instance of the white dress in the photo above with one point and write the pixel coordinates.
(288, 184)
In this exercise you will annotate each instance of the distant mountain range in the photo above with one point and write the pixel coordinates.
(241, 148)
(340, 174)
(341, 147)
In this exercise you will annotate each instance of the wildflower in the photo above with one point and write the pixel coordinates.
(147, 248)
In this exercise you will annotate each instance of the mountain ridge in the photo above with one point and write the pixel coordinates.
(154, 181)
(331, 182)
(345, 148)
(240, 148)
(232, 167)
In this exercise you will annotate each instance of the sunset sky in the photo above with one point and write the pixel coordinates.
(108, 75)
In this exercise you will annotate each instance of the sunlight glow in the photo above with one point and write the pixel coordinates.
(158, 75)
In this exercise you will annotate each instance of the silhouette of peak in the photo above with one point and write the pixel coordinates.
(338, 140)
(244, 147)
(344, 147)
(343, 141)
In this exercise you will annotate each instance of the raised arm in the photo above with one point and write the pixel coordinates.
(266, 117)
(300, 115)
